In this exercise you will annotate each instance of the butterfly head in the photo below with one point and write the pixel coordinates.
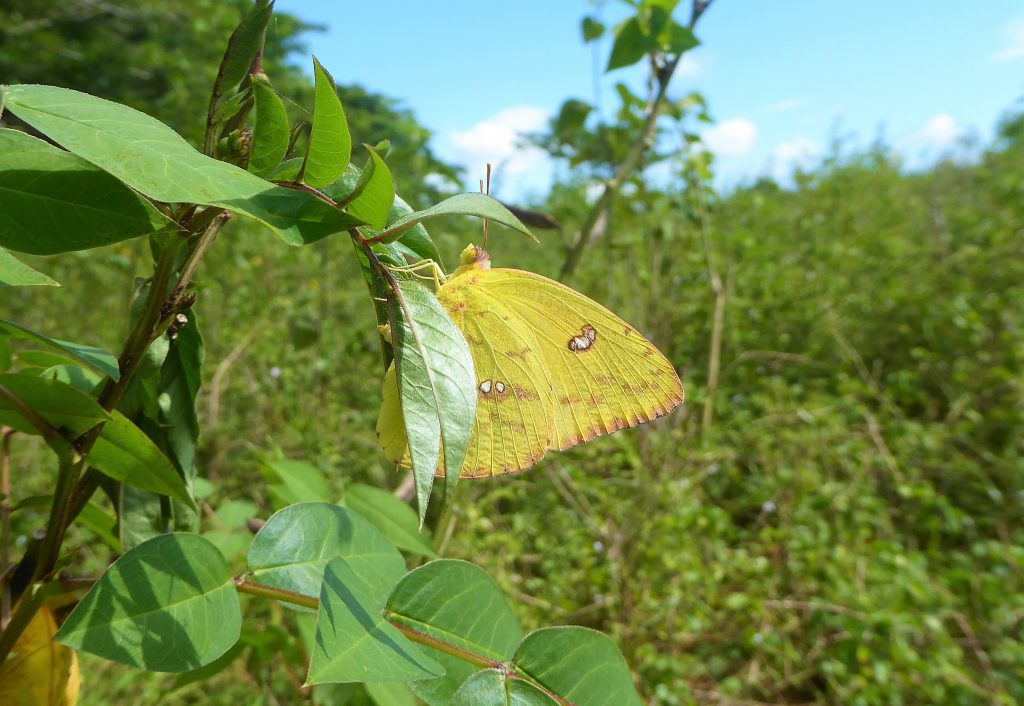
(473, 258)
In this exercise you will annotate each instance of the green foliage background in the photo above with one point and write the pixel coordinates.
(848, 530)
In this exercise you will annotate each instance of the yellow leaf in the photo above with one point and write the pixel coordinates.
(554, 369)
(39, 671)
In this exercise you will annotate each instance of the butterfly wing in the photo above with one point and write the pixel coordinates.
(604, 375)
(513, 427)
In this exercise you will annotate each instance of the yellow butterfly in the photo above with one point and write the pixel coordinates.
(554, 369)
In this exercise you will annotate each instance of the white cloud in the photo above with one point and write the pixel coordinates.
(498, 140)
(690, 67)
(731, 138)
(799, 153)
(1014, 48)
(939, 132)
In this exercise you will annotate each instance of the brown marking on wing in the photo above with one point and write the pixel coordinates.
(570, 399)
(520, 354)
(522, 393)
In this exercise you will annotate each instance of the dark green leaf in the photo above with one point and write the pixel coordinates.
(93, 358)
(436, 386)
(270, 133)
(631, 44)
(153, 159)
(296, 543)
(581, 665)
(168, 605)
(52, 201)
(592, 29)
(125, 453)
(92, 517)
(330, 144)
(571, 117)
(353, 640)
(61, 405)
(470, 204)
(242, 47)
(394, 518)
(15, 273)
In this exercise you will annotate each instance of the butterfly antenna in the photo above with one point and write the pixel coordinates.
(486, 191)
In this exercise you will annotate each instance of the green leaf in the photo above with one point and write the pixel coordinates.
(296, 481)
(446, 600)
(52, 201)
(270, 133)
(153, 159)
(436, 386)
(631, 44)
(15, 273)
(125, 453)
(678, 39)
(390, 694)
(168, 605)
(242, 47)
(79, 378)
(353, 640)
(394, 518)
(180, 377)
(415, 243)
(571, 117)
(61, 405)
(592, 29)
(492, 687)
(376, 192)
(470, 204)
(580, 665)
(296, 543)
(96, 359)
(330, 144)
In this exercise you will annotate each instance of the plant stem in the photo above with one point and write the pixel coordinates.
(601, 209)
(243, 585)
(5, 522)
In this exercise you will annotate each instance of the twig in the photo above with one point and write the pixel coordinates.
(222, 369)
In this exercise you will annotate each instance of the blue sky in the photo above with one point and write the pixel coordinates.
(781, 79)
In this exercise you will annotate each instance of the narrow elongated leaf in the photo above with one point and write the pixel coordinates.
(578, 664)
(92, 516)
(270, 134)
(376, 192)
(243, 44)
(296, 543)
(353, 640)
(478, 205)
(168, 605)
(15, 273)
(436, 385)
(153, 159)
(97, 359)
(125, 453)
(61, 405)
(79, 378)
(394, 518)
(52, 201)
(492, 687)
(330, 144)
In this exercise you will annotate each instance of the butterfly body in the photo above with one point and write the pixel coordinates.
(554, 369)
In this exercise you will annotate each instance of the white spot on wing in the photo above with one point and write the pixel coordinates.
(500, 387)
(485, 387)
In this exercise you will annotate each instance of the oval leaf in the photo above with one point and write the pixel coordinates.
(153, 159)
(293, 547)
(168, 605)
(52, 201)
(270, 134)
(578, 664)
(353, 640)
